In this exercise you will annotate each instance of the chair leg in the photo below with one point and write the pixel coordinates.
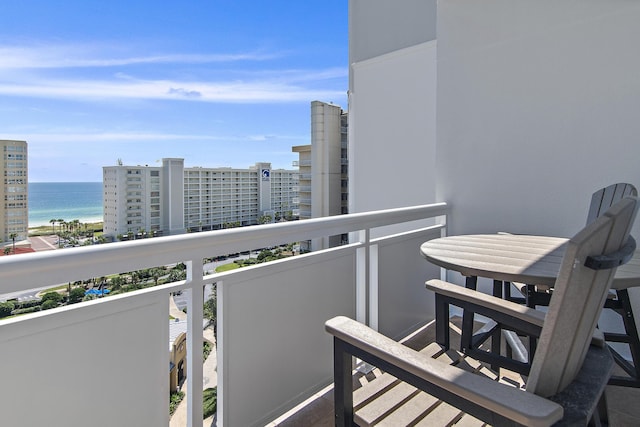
(497, 288)
(343, 390)
(623, 307)
(531, 296)
(601, 412)
(443, 336)
(467, 318)
(507, 290)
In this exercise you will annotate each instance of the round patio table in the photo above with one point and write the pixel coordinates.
(534, 260)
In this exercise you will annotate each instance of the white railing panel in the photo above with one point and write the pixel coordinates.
(275, 352)
(104, 363)
(403, 303)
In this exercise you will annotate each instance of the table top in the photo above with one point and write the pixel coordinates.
(513, 258)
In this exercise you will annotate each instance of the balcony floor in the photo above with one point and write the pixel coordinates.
(318, 411)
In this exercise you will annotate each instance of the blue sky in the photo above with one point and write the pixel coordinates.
(219, 83)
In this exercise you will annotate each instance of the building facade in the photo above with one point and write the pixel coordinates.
(323, 167)
(14, 212)
(172, 199)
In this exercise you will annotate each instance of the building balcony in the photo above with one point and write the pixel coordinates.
(111, 353)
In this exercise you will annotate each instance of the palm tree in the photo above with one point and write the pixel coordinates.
(53, 224)
(13, 236)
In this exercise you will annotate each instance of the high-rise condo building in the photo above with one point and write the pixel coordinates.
(172, 199)
(14, 212)
(323, 167)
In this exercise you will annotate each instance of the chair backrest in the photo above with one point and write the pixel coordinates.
(606, 197)
(578, 297)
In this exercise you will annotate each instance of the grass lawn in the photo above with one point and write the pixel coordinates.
(227, 267)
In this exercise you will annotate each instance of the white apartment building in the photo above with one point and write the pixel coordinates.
(14, 213)
(172, 199)
(323, 167)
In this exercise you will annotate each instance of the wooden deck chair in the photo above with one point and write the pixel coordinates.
(567, 377)
(601, 200)
(618, 300)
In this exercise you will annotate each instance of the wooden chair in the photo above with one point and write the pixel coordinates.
(567, 377)
(618, 300)
(601, 200)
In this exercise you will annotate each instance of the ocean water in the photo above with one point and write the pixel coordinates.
(64, 200)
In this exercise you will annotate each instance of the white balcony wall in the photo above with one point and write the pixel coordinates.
(276, 313)
(104, 363)
(399, 301)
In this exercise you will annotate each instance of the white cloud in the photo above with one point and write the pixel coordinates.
(259, 91)
(38, 139)
(81, 55)
(35, 72)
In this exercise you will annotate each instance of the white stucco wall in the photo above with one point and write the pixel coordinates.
(377, 27)
(392, 130)
(538, 106)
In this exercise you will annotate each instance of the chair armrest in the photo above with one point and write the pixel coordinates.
(518, 311)
(517, 405)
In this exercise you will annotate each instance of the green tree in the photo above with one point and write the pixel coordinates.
(116, 283)
(176, 274)
(74, 225)
(7, 250)
(265, 219)
(13, 236)
(52, 296)
(76, 295)
(53, 225)
(156, 273)
(211, 310)
(49, 304)
(6, 308)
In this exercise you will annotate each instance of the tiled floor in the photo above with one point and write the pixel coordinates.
(623, 403)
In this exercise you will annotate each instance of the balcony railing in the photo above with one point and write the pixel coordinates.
(106, 362)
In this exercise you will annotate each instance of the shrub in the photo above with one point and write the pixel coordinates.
(26, 310)
(209, 402)
(76, 295)
(174, 400)
(6, 308)
(49, 304)
(28, 304)
(206, 350)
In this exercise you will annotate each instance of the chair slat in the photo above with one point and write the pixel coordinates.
(442, 415)
(411, 412)
(606, 197)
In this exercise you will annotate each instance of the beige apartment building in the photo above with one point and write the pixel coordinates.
(14, 213)
(172, 199)
(323, 167)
